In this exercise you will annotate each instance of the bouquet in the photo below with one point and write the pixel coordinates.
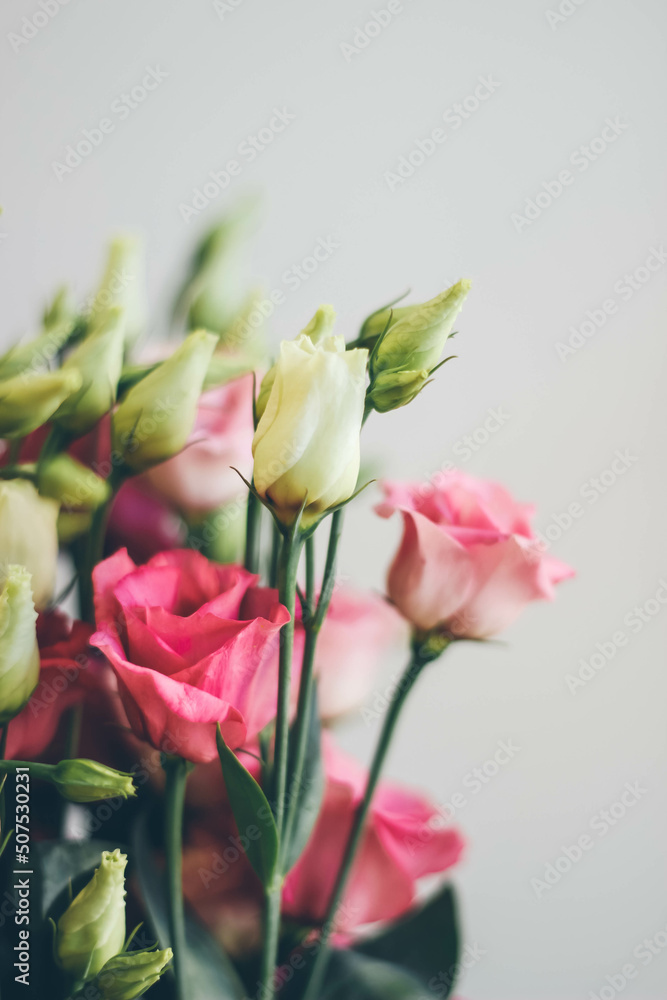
(176, 816)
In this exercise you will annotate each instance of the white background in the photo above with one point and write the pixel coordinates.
(325, 176)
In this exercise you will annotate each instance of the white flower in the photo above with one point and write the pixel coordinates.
(19, 655)
(28, 535)
(306, 446)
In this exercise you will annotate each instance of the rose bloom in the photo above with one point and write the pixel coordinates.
(404, 840)
(201, 478)
(186, 652)
(67, 675)
(469, 561)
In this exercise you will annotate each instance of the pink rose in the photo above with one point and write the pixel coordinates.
(185, 650)
(356, 632)
(404, 841)
(468, 561)
(200, 478)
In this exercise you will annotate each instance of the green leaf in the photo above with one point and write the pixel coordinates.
(252, 814)
(352, 976)
(310, 793)
(210, 972)
(425, 942)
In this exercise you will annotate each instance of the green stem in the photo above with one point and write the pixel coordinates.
(176, 770)
(253, 531)
(312, 625)
(287, 573)
(421, 655)
(276, 543)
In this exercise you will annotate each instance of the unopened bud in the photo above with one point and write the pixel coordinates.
(92, 929)
(19, 655)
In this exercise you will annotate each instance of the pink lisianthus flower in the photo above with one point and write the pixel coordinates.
(469, 561)
(404, 841)
(201, 477)
(192, 643)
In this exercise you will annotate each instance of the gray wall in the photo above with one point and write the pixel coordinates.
(551, 86)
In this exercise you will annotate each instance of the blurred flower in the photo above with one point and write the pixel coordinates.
(155, 419)
(468, 561)
(143, 523)
(19, 656)
(98, 358)
(92, 928)
(123, 286)
(28, 400)
(185, 650)
(306, 446)
(28, 535)
(66, 676)
(358, 629)
(200, 477)
(71, 483)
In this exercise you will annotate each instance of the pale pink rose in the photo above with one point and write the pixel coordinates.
(201, 478)
(357, 631)
(468, 560)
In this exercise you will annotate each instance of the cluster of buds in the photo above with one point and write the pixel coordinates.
(90, 939)
(313, 401)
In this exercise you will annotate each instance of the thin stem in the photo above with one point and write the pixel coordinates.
(176, 770)
(3, 741)
(310, 572)
(312, 625)
(73, 733)
(287, 573)
(276, 543)
(253, 532)
(420, 657)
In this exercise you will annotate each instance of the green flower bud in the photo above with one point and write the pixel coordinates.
(71, 483)
(19, 655)
(319, 327)
(99, 359)
(88, 781)
(60, 310)
(36, 356)
(28, 401)
(28, 535)
(123, 286)
(154, 420)
(392, 389)
(130, 975)
(73, 525)
(209, 297)
(417, 335)
(92, 929)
